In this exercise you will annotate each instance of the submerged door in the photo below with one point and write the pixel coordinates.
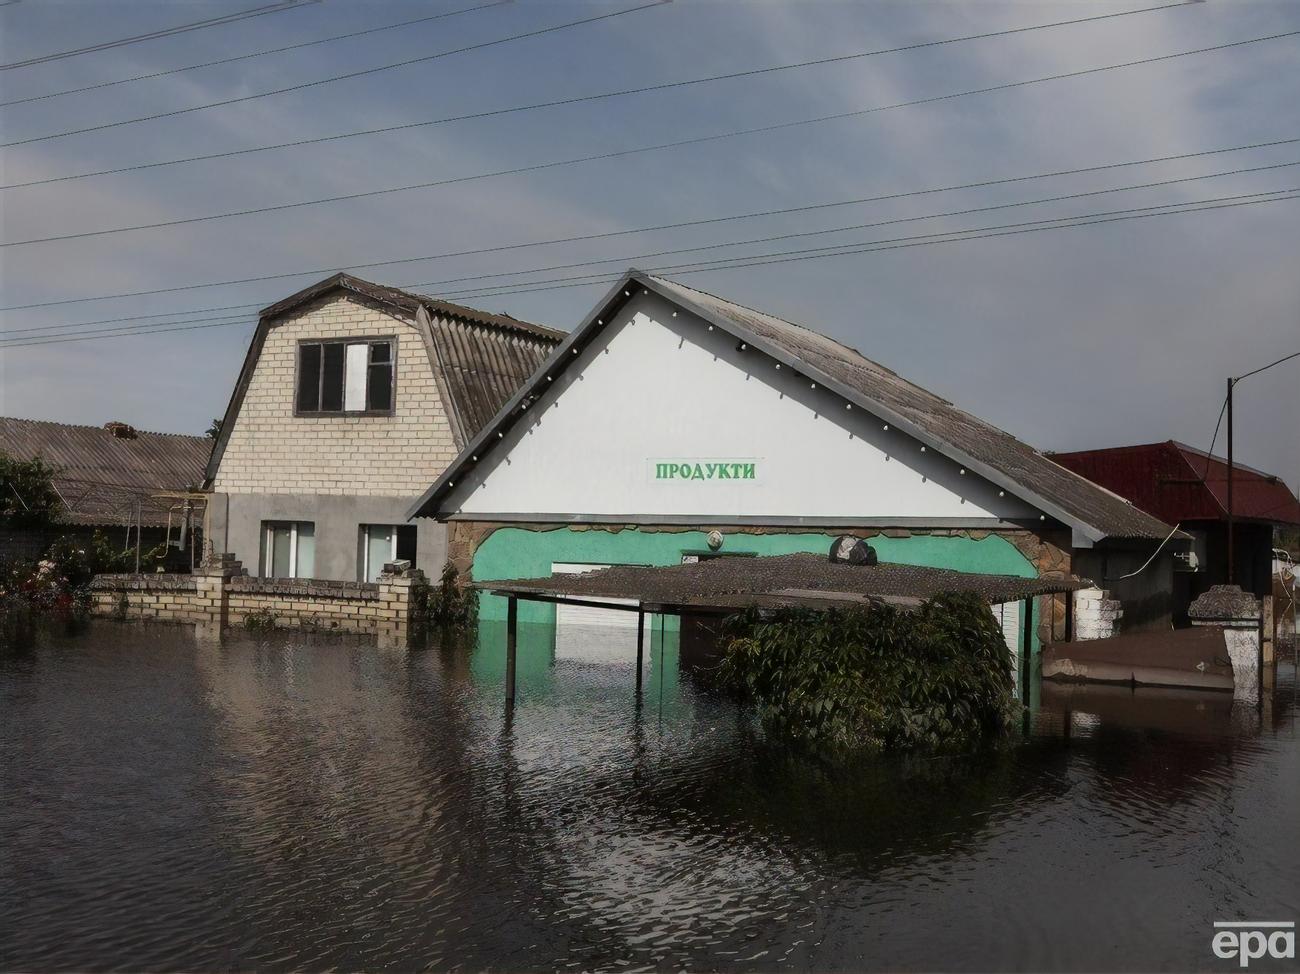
(594, 635)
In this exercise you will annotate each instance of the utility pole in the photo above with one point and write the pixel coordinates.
(1231, 384)
(1231, 525)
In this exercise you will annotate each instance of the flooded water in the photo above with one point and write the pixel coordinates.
(168, 802)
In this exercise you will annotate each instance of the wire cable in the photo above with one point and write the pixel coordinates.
(620, 153)
(166, 32)
(955, 236)
(338, 77)
(554, 103)
(1284, 358)
(645, 229)
(245, 57)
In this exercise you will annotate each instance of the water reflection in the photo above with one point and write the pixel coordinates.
(168, 800)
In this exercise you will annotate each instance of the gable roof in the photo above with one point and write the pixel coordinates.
(100, 475)
(478, 358)
(1174, 481)
(1092, 511)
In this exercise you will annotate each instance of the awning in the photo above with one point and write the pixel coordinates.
(723, 585)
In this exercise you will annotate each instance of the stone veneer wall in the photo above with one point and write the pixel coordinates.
(220, 595)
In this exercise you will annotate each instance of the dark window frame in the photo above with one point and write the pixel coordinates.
(368, 340)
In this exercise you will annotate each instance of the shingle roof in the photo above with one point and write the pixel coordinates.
(100, 476)
(771, 581)
(998, 456)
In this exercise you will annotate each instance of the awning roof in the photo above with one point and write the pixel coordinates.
(776, 581)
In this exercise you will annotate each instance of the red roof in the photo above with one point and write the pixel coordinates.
(1178, 483)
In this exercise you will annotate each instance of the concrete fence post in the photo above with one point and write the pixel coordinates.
(1237, 613)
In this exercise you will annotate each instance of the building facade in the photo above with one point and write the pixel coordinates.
(352, 397)
(670, 414)
(132, 486)
(1185, 486)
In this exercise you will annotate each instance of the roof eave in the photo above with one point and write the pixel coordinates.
(619, 293)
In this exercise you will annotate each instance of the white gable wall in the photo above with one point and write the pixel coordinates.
(662, 388)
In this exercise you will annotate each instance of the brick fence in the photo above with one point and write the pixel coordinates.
(219, 594)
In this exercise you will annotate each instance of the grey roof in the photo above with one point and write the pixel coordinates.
(992, 453)
(479, 359)
(777, 580)
(100, 476)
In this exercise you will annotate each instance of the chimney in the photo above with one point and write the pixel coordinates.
(120, 431)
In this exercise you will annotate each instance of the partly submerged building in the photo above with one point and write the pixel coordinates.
(669, 414)
(128, 483)
(352, 397)
(1185, 486)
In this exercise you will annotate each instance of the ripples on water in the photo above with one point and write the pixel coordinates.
(171, 803)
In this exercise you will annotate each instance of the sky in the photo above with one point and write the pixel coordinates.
(1118, 333)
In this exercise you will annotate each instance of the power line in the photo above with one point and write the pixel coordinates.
(1284, 358)
(571, 101)
(633, 258)
(166, 32)
(627, 152)
(245, 57)
(338, 77)
(700, 267)
(646, 229)
(896, 243)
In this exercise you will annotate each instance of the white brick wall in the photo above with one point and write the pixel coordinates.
(1096, 615)
(272, 451)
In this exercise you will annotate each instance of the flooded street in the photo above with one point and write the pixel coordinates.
(300, 802)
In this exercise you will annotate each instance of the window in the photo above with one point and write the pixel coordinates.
(382, 543)
(345, 377)
(288, 549)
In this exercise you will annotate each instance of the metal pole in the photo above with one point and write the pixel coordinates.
(640, 648)
(512, 620)
(1026, 644)
(137, 536)
(1232, 570)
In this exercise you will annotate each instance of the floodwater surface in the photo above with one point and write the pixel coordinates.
(295, 802)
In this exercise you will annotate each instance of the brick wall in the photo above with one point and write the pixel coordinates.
(272, 451)
(166, 598)
(302, 604)
(220, 595)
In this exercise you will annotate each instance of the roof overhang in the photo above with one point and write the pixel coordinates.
(634, 283)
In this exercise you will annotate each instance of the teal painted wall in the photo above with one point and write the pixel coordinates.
(523, 553)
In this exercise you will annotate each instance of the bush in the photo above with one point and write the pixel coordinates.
(27, 494)
(447, 605)
(878, 678)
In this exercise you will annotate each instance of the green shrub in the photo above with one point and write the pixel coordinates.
(27, 494)
(260, 620)
(447, 605)
(878, 678)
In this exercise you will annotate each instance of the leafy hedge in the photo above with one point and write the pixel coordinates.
(937, 677)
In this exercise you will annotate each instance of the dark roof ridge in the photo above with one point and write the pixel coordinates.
(407, 300)
(100, 428)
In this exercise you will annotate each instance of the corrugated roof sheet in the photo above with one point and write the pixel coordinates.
(482, 365)
(1110, 514)
(100, 476)
(778, 580)
(1177, 482)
